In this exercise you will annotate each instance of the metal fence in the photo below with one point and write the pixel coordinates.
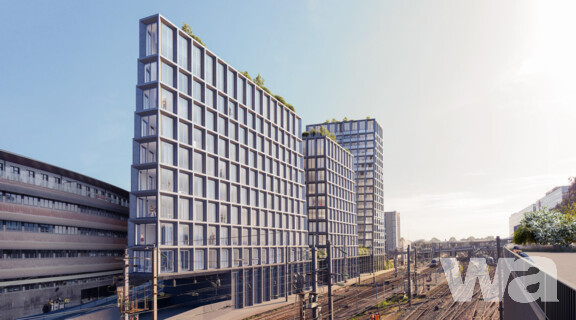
(564, 308)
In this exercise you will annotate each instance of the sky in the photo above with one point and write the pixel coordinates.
(476, 98)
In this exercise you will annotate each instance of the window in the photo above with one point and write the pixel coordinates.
(198, 211)
(199, 162)
(151, 39)
(199, 235)
(210, 69)
(167, 100)
(199, 186)
(197, 91)
(199, 263)
(184, 83)
(167, 156)
(184, 183)
(197, 61)
(183, 53)
(166, 179)
(167, 42)
(184, 108)
(198, 138)
(184, 158)
(149, 99)
(184, 133)
(150, 72)
(167, 234)
(167, 74)
(231, 85)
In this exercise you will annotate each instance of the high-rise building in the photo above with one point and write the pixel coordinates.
(364, 140)
(331, 202)
(217, 175)
(61, 234)
(392, 231)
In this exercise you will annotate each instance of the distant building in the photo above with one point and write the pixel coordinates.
(550, 200)
(364, 140)
(331, 192)
(61, 236)
(392, 230)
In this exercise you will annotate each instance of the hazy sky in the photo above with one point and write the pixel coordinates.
(476, 98)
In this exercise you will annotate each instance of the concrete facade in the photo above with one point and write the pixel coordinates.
(217, 175)
(364, 140)
(331, 202)
(60, 235)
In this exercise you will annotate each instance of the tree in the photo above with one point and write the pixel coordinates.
(546, 227)
(246, 74)
(453, 239)
(345, 119)
(435, 240)
(259, 80)
(188, 29)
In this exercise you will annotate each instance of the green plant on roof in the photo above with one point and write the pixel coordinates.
(259, 81)
(320, 132)
(188, 29)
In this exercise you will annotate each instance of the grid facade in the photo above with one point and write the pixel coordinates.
(364, 140)
(331, 201)
(392, 230)
(61, 234)
(217, 175)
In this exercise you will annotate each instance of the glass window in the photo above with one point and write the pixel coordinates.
(184, 212)
(167, 74)
(184, 183)
(211, 143)
(231, 83)
(149, 99)
(199, 238)
(210, 95)
(198, 138)
(199, 162)
(212, 212)
(167, 127)
(220, 76)
(197, 61)
(222, 148)
(211, 187)
(210, 69)
(167, 234)
(198, 211)
(167, 42)
(150, 72)
(151, 39)
(184, 108)
(167, 100)
(166, 179)
(199, 186)
(198, 91)
(184, 133)
(198, 116)
(241, 84)
(183, 52)
(199, 263)
(210, 120)
(211, 166)
(184, 83)
(167, 155)
(167, 207)
(222, 108)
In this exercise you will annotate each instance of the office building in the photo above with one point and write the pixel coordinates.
(331, 202)
(392, 231)
(217, 175)
(549, 201)
(364, 140)
(61, 234)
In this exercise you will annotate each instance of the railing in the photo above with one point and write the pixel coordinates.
(65, 186)
(564, 308)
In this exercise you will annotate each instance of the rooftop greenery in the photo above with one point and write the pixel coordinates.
(259, 80)
(188, 29)
(322, 132)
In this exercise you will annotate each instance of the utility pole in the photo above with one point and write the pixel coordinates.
(155, 283)
(373, 274)
(286, 274)
(415, 271)
(330, 302)
(409, 284)
(396, 263)
(500, 308)
(126, 292)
